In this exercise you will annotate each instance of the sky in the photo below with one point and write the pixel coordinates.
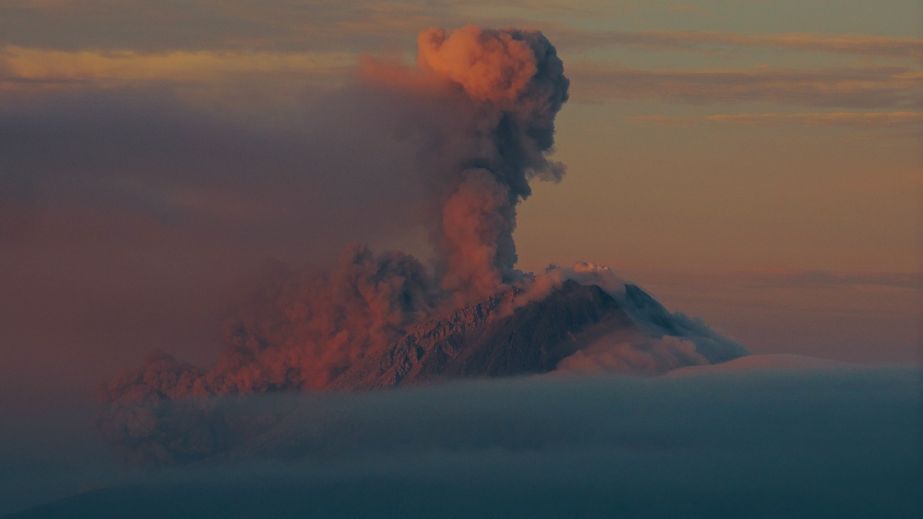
(756, 165)
(165, 163)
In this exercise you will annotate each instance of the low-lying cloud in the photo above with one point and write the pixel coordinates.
(855, 87)
(813, 443)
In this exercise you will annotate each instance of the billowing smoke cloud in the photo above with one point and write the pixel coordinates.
(516, 85)
(486, 100)
(496, 93)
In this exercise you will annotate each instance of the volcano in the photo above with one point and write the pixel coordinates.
(487, 340)
(480, 106)
(165, 412)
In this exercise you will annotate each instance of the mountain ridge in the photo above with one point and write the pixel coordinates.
(162, 413)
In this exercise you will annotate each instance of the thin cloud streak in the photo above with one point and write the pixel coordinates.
(27, 68)
(357, 26)
(857, 87)
(860, 44)
(852, 119)
(821, 278)
(271, 25)
(874, 119)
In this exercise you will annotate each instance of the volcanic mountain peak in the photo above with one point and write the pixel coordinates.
(493, 338)
(152, 412)
(610, 325)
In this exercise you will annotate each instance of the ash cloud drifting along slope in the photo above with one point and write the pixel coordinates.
(501, 91)
(377, 320)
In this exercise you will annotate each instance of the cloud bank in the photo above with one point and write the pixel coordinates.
(840, 442)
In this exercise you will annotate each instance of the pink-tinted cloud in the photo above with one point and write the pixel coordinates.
(858, 87)
(853, 119)
(861, 44)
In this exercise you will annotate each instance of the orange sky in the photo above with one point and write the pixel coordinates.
(758, 167)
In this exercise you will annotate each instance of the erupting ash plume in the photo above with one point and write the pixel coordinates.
(378, 320)
(507, 85)
(515, 83)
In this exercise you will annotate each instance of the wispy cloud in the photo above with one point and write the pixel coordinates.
(870, 87)
(822, 278)
(863, 44)
(856, 119)
(856, 87)
(30, 68)
(823, 118)
(270, 25)
(364, 25)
